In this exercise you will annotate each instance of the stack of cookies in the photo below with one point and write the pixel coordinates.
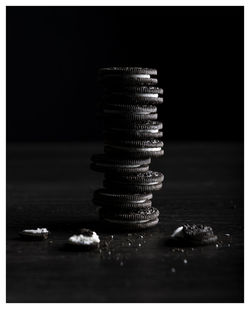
(131, 135)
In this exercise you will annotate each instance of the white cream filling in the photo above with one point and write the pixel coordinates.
(37, 231)
(142, 131)
(148, 95)
(84, 240)
(178, 232)
(117, 165)
(148, 131)
(137, 202)
(139, 149)
(134, 202)
(108, 194)
(150, 183)
(122, 112)
(151, 149)
(135, 75)
(140, 75)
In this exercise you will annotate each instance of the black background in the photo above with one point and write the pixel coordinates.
(53, 54)
(52, 58)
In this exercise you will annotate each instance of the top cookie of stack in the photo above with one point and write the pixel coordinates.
(129, 101)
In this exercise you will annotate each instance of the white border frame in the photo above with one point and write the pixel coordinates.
(3, 128)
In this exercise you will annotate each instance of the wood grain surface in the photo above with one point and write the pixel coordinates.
(51, 185)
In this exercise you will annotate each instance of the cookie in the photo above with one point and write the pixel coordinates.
(193, 235)
(105, 163)
(140, 182)
(129, 98)
(131, 220)
(130, 112)
(127, 71)
(111, 199)
(115, 81)
(87, 240)
(135, 148)
(36, 234)
(141, 92)
(134, 95)
(135, 130)
(130, 225)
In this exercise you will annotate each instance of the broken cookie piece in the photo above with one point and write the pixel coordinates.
(193, 234)
(36, 234)
(87, 240)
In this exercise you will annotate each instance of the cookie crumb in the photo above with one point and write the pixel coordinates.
(105, 244)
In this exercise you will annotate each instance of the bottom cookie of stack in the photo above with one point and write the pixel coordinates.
(126, 211)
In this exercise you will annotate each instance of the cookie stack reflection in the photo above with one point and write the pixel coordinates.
(132, 133)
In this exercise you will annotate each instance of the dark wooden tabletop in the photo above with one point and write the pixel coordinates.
(51, 185)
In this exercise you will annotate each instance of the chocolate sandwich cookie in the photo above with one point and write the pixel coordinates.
(116, 81)
(105, 163)
(141, 92)
(134, 71)
(134, 148)
(134, 95)
(193, 235)
(140, 182)
(131, 99)
(111, 199)
(86, 240)
(36, 234)
(147, 129)
(131, 220)
(130, 112)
